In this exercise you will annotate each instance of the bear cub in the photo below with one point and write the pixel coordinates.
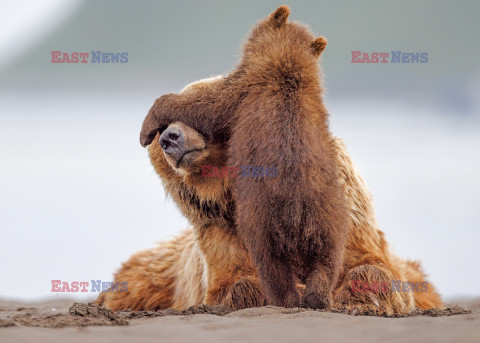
(270, 111)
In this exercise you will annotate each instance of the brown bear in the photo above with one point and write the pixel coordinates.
(271, 112)
(210, 265)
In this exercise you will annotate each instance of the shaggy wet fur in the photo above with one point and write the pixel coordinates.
(271, 112)
(210, 265)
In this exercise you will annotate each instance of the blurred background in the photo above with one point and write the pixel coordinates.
(78, 194)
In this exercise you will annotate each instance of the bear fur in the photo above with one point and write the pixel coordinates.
(270, 111)
(209, 264)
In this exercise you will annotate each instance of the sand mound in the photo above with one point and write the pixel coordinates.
(91, 314)
(78, 315)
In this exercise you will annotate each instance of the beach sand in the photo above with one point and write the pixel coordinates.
(63, 320)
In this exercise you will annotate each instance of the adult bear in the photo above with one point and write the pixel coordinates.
(270, 110)
(208, 264)
(193, 106)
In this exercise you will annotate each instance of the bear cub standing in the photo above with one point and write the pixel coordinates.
(271, 112)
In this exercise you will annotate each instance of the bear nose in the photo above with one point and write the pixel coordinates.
(172, 140)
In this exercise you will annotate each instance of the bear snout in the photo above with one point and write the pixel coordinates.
(172, 141)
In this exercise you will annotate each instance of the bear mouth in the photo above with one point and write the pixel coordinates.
(186, 158)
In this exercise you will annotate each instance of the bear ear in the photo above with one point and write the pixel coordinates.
(318, 45)
(280, 16)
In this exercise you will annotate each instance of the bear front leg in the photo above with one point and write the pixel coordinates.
(243, 293)
(232, 279)
(318, 288)
(324, 264)
(272, 258)
(278, 281)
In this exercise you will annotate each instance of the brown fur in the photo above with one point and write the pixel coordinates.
(226, 274)
(170, 275)
(270, 108)
(209, 264)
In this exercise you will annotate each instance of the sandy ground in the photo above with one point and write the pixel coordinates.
(59, 321)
